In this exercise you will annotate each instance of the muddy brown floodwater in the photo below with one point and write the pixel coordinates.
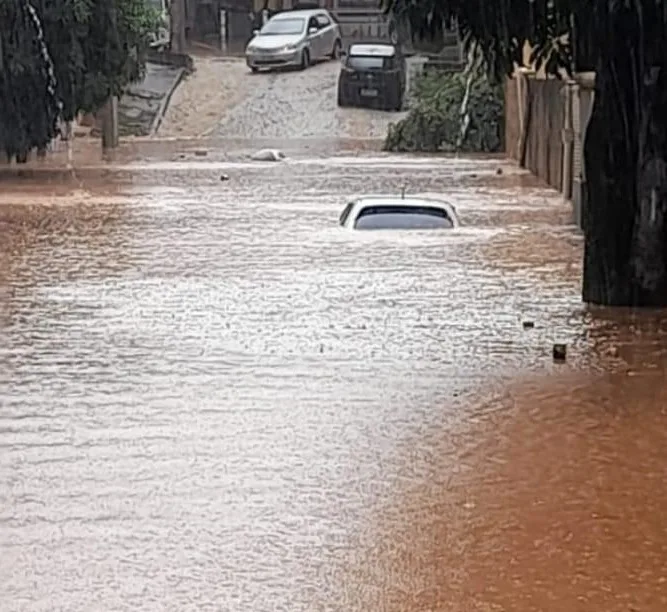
(214, 398)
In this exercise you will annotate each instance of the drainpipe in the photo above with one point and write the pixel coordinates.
(519, 97)
(523, 108)
(568, 140)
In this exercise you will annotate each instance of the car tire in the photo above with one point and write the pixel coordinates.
(254, 69)
(305, 59)
(335, 54)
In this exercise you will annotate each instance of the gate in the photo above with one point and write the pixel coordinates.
(359, 23)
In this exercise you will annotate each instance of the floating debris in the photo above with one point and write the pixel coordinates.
(268, 155)
(559, 352)
(528, 325)
(224, 177)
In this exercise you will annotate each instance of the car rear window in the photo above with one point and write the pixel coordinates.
(403, 217)
(369, 62)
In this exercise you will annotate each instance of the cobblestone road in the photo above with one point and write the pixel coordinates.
(224, 99)
(288, 105)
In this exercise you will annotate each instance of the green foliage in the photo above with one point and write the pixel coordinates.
(97, 47)
(434, 123)
(28, 110)
(501, 27)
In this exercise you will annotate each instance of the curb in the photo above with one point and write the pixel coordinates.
(167, 58)
(155, 126)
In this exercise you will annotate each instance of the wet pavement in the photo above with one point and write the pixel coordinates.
(214, 398)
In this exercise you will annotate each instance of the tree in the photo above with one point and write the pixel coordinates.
(625, 149)
(62, 57)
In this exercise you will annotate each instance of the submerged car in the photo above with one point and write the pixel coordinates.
(294, 38)
(389, 212)
(373, 74)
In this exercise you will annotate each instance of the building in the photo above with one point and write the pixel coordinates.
(228, 24)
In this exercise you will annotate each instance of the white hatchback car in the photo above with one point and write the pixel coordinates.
(391, 212)
(294, 38)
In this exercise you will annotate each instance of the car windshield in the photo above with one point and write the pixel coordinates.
(346, 213)
(403, 217)
(369, 62)
(283, 26)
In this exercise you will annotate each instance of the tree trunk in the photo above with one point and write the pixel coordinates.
(110, 124)
(625, 155)
(583, 40)
(177, 42)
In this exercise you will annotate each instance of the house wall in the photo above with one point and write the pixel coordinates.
(545, 127)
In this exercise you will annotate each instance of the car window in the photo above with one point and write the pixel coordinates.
(283, 26)
(312, 23)
(346, 213)
(403, 217)
(369, 62)
(322, 21)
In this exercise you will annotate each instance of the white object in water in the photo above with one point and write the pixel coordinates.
(268, 155)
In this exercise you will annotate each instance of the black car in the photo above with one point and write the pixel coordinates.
(373, 73)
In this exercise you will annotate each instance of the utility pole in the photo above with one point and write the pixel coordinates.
(177, 42)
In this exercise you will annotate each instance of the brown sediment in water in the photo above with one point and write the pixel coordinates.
(552, 497)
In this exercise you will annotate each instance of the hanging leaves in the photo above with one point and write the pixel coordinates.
(28, 103)
(500, 28)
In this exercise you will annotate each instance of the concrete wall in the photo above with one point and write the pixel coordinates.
(545, 127)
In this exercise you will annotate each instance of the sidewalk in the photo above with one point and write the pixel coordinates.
(219, 83)
(141, 109)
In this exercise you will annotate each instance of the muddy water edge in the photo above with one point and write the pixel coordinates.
(213, 398)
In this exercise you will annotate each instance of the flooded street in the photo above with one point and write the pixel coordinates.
(214, 398)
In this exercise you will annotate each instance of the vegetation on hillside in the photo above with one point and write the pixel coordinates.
(451, 112)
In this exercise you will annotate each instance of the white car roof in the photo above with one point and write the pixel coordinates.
(398, 201)
(359, 203)
(379, 50)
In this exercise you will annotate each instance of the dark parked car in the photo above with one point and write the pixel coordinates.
(373, 73)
